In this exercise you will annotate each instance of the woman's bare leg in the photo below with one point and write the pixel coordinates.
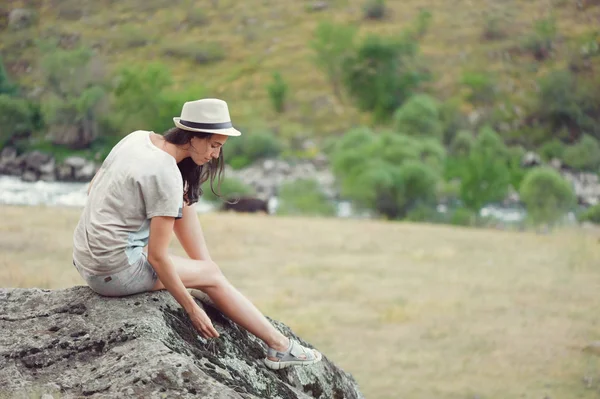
(207, 277)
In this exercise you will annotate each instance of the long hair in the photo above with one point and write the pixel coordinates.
(194, 175)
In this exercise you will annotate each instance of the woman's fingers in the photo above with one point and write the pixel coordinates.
(213, 332)
(210, 332)
(203, 324)
(206, 329)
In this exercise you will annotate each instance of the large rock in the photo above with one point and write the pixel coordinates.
(74, 343)
(21, 18)
(267, 176)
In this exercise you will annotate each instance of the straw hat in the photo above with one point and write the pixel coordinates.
(208, 115)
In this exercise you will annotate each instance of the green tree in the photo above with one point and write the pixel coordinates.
(546, 195)
(419, 116)
(382, 73)
(251, 147)
(484, 173)
(278, 90)
(140, 84)
(230, 188)
(567, 102)
(151, 85)
(388, 172)
(481, 86)
(74, 99)
(591, 214)
(332, 44)
(462, 143)
(583, 155)
(16, 118)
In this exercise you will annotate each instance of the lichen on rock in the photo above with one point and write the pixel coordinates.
(75, 343)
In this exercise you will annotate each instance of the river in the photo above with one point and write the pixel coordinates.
(14, 191)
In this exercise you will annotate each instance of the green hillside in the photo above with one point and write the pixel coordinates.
(233, 47)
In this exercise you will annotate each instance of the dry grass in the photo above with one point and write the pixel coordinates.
(412, 311)
(259, 37)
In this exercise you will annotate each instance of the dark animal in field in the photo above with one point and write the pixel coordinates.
(246, 204)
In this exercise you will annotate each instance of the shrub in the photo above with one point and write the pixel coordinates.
(484, 174)
(200, 53)
(422, 23)
(495, 27)
(583, 155)
(419, 116)
(6, 86)
(278, 90)
(374, 9)
(230, 188)
(423, 213)
(541, 41)
(196, 16)
(481, 87)
(148, 84)
(591, 214)
(304, 197)
(381, 74)
(462, 143)
(387, 172)
(546, 195)
(250, 147)
(16, 117)
(552, 149)
(129, 37)
(332, 44)
(566, 102)
(74, 99)
(463, 217)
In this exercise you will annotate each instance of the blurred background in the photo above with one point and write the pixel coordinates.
(429, 168)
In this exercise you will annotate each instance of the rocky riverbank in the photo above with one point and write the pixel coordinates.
(265, 176)
(36, 165)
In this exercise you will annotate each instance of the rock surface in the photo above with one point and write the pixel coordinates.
(267, 176)
(35, 165)
(74, 343)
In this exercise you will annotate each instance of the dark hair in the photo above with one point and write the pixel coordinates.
(194, 175)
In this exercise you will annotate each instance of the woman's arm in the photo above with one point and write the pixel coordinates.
(190, 235)
(161, 228)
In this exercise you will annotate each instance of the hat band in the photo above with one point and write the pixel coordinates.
(212, 126)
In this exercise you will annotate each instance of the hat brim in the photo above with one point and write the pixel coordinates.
(225, 132)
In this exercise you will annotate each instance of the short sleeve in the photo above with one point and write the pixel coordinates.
(113, 152)
(163, 195)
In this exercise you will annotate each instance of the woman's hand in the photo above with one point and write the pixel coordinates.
(202, 322)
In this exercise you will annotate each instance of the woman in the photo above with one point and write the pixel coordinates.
(144, 191)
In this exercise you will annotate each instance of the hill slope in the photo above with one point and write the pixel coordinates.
(252, 39)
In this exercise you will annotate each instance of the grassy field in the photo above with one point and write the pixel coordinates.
(412, 311)
(250, 40)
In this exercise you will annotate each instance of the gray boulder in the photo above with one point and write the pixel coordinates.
(74, 343)
(21, 18)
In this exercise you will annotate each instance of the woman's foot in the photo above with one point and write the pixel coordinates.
(281, 356)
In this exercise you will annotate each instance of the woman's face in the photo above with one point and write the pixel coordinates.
(207, 149)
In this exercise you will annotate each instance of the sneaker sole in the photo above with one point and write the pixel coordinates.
(281, 365)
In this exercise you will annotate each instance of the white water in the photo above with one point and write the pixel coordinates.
(14, 191)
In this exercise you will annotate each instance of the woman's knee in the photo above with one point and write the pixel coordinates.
(207, 274)
(215, 276)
